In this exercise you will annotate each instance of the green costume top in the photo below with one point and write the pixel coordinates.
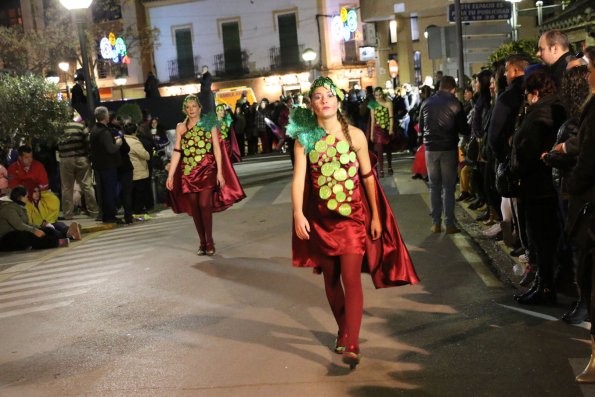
(380, 114)
(196, 143)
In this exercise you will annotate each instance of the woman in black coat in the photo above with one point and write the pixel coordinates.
(537, 195)
(581, 186)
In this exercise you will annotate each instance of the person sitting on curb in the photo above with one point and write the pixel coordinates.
(41, 215)
(31, 174)
(16, 234)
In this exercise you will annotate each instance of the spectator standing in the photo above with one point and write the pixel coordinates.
(442, 119)
(537, 195)
(240, 129)
(105, 157)
(75, 166)
(141, 182)
(151, 86)
(553, 49)
(262, 112)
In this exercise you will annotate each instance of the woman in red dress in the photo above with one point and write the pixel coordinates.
(201, 179)
(382, 122)
(340, 214)
(227, 133)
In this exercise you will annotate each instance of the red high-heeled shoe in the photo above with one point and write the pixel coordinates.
(352, 357)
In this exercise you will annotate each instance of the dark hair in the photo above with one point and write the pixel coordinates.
(129, 128)
(425, 91)
(553, 37)
(520, 61)
(574, 89)
(17, 192)
(447, 83)
(380, 90)
(542, 82)
(469, 88)
(484, 78)
(500, 82)
(24, 149)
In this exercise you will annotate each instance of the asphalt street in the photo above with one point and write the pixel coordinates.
(135, 312)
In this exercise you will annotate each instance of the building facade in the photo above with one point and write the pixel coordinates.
(420, 37)
(257, 44)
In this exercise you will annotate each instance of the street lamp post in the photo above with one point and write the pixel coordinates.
(308, 56)
(513, 19)
(64, 67)
(120, 81)
(78, 6)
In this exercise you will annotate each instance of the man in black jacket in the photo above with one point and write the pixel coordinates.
(553, 49)
(105, 156)
(442, 119)
(507, 107)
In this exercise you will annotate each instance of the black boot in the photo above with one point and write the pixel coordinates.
(530, 291)
(542, 295)
(577, 314)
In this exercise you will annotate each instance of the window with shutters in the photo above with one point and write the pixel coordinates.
(232, 50)
(288, 40)
(10, 13)
(184, 52)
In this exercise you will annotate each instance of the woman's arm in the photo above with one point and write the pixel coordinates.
(302, 227)
(176, 155)
(360, 145)
(217, 153)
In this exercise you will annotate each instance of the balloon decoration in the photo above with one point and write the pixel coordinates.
(114, 48)
(344, 26)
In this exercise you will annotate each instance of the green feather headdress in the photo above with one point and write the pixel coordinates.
(327, 83)
(190, 98)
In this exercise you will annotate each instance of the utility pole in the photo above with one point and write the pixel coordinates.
(461, 62)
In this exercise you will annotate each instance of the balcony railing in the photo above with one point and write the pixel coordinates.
(223, 68)
(183, 69)
(286, 57)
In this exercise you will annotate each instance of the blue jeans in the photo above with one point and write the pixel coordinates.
(442, 173)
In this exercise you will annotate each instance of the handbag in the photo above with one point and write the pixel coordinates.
(472, 151)
(507, 183)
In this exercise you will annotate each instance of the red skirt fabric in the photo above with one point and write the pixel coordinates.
(386, 259)
(233, 150)
(223, 198)
(419, 164)
(381, 135)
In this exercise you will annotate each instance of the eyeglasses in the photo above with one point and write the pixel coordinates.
(579, 55)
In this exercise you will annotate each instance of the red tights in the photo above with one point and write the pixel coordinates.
(379, 148)
(202, 204)
(343, 285)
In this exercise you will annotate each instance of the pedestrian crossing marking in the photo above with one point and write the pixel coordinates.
(42, 298)
(54, 282)
(34, 309)
(50, 289)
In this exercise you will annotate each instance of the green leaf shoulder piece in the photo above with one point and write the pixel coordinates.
(304, 127)
(373, 105)
(208, 121)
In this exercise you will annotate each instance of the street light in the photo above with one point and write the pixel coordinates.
(65, 67)
(308, 56)
(80, 6)
(513, 19)
(120, 81)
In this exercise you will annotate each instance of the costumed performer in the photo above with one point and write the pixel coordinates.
(227, 133)
(382, 122)
(201, 179)
(340, 214)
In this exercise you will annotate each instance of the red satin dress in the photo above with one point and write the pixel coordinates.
(337, 209)
(381, 125)
(197, 171)
(230, 143)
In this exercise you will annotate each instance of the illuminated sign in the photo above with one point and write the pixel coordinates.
(344, 26)
(114, 48)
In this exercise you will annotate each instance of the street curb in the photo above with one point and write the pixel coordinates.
(98, 228)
